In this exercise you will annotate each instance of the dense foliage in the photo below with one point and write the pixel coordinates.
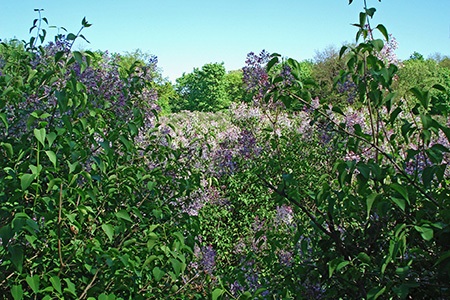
(210, 88)
(322, 179)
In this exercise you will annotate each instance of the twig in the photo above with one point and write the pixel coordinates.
(59, 229)
(83, 295)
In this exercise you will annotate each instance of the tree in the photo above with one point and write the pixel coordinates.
(424, 74)
(325, 69)
(235, 86)
(204, 89)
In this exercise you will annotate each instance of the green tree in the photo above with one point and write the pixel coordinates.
(234, 86)
(204, 89)
(424, 74)
(325, 69)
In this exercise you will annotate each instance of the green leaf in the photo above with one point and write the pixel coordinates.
(17, 292)
(51, 137)
(52, 156)
(378, 44)
(17, 257)
(40, 135)
(342, 51)
(157, 273)
(362, 256)
(369, 202)
(58, 56)
(401, 190)
(383, 31)
(33, 282)
(371, 11)
(8, 148)
(362, 19)
(338, 110)
(425, 231)
(26, 180)
(375, 292)
(342, 265)
(70, 287)
(78, 57)
(123, 214)
(271, 63)
(217, 293)
(176, 265)
(400, 203)
(4, 120)
(332, 265)
(439, 87)
(56, 283)
(427, 121)
(394, 115)
(85, 23)
(71, 37)
(109, 230)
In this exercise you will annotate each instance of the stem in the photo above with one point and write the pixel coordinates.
(39, 27)
(84, 294)
(59, 228)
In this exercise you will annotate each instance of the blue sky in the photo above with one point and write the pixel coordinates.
(189, 33)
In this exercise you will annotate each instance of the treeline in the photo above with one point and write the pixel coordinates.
(212, 88)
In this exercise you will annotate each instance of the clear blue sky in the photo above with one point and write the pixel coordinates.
(189, 33)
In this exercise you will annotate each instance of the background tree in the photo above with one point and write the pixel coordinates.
(205, 89)
(424, 74)
(325, 69)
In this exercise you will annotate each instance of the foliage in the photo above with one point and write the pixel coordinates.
(327, 66)
(380, 218)
(424, 74)
(207, 89)
(333, 189)
(83, 189)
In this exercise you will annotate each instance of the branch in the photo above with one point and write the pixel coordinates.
(331, 233)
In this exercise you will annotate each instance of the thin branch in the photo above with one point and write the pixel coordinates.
(331, 233)
(84, 294)
(59, 228)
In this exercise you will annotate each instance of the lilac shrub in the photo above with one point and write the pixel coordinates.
(101, 82)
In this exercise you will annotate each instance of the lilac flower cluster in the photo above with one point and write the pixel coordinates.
(255, 76)
(348, 87)
(257, 80)
(355, 117)
(313, 290)
(198, 199)
(387, 54)
(252, 280)
(102, 83)
(284, 215)
(208, 262)
(286, 258)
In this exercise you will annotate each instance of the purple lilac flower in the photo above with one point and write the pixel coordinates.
(208, 259)
(255, 76)
(236, 288)
(285, 257)
(417, 164)
(284, 215)
(387, 54)
(247, 143)
(313, 291)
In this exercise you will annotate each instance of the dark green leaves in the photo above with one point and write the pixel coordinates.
(33, 282)
(425, 231)
(383, 31)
